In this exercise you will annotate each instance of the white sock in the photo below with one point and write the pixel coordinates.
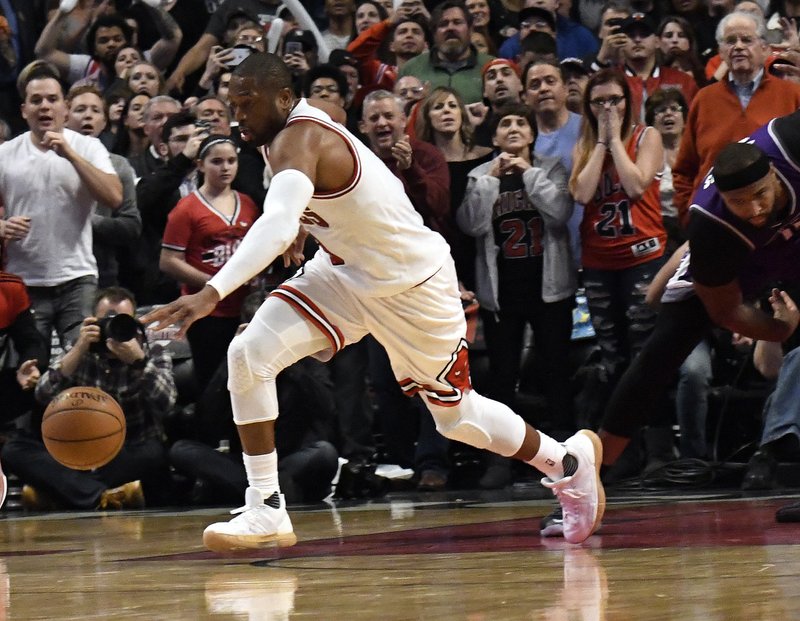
(262, 472)
(550, 457)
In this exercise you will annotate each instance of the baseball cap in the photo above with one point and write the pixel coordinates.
(574, 65)
(639, 22)
(341, 57)
(305, 37)
(536, 13)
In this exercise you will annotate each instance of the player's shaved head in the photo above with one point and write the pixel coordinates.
(267, 70)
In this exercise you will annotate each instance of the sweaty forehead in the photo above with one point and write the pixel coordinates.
(241, 86)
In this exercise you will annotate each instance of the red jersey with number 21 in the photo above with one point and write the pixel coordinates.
(616, 232)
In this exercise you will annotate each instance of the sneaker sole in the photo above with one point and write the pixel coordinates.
(601, 492)
(3, 489)
(220, 542)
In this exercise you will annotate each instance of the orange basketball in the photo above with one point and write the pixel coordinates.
(83, 428)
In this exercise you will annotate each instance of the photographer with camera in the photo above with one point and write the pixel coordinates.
(111, 353)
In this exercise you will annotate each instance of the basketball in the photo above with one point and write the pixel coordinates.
(83, 428)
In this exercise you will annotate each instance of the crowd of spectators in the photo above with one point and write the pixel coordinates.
(554, 144)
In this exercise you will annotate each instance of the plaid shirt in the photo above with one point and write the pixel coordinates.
(145, 393)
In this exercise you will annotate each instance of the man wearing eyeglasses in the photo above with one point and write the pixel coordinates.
(326, 82)
(732, 108)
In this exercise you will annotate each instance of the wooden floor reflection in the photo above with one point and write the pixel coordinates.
(424, 557)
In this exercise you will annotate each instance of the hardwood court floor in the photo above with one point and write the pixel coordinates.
(464, 557)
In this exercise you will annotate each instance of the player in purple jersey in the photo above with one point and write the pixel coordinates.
(744, 236)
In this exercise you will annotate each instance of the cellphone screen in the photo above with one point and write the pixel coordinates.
(294, 47)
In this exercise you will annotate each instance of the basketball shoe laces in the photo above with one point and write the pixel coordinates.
(255, 511)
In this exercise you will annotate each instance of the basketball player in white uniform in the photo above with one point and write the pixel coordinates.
(379, 271)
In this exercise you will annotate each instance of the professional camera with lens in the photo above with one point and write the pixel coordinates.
(119, 327)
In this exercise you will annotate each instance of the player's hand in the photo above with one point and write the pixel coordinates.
(294, 255)
(127, 351)
(784, 309)
(28, 375)
(402, 153)
(184, 311)
(16, 227)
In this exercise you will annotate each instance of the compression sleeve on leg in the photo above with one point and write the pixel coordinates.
(287, 197)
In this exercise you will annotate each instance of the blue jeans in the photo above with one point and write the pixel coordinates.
(782, 412)
(691, 400)
(63, 307)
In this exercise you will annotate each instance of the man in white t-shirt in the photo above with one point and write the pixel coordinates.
(51, 179)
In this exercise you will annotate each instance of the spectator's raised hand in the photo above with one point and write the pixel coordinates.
(217, 63)
(402, 153)
(193, 144)
(476, 112)
(409, 8)
(789, 30)
(56, 142)
(297, 62)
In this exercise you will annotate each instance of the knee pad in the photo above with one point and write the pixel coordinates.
(466, 431)
(463, 423)
(240, 375)
(482, 423)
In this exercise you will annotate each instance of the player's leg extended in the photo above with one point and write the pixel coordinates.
(422, 331)
(276, 338)
(571, 469)
(679, 327)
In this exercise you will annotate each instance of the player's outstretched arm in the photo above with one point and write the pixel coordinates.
(727, 309)
(293, 155)
(184, 311)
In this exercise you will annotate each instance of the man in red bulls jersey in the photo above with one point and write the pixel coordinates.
(379, 270)
(744, 237)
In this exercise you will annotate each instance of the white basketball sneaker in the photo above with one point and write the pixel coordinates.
(582, 497)
(261, 522)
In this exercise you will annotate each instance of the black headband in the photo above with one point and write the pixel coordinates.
(743, 177)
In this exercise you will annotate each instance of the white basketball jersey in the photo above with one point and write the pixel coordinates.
(370, 232)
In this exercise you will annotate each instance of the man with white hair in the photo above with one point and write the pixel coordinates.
(732, 108)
